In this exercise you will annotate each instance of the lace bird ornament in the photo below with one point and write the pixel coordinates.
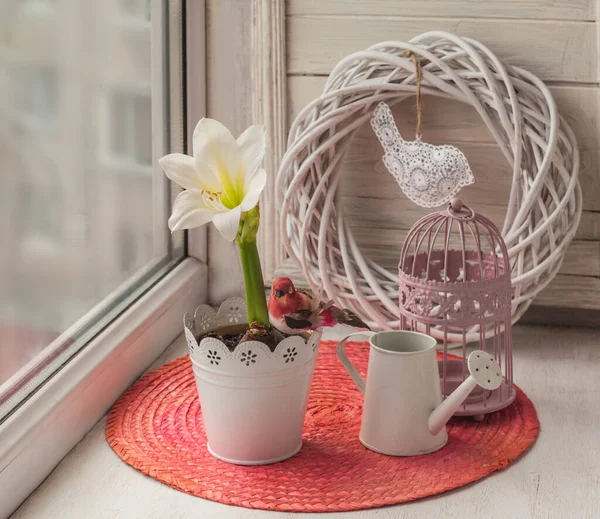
(429, 175)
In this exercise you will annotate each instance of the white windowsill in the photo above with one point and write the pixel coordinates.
(556, 367)
(47, 426)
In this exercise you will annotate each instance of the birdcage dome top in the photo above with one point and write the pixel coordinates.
(455, 245)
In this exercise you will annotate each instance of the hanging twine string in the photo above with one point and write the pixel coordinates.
(419, 73)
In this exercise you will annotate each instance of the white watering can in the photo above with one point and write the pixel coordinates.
(403, 414)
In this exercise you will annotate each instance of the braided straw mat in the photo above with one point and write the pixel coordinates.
(156, 427)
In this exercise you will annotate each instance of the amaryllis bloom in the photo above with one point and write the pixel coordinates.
(221, 181)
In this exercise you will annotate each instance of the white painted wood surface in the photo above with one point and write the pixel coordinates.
(269, 107)
(559, 477)
(228, 99)
(553, 50)
(196, 81)
(570, 291)
(515, 9)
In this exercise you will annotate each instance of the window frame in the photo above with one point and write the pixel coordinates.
(38, 434)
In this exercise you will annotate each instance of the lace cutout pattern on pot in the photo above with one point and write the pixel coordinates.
(250, 357)
(231, 312)
(290, 355)
(429, 175)
(213, 357)
(253, 357)
(189, 337)
(235, 309)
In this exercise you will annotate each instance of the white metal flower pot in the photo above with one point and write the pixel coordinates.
(253, 400)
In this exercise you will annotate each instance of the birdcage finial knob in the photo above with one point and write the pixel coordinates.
(456, 204)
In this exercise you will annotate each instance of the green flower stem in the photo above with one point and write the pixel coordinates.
(256, 301)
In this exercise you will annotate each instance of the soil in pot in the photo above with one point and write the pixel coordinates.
(268, 336)
(231, 340)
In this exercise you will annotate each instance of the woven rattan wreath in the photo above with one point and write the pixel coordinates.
(545, 199)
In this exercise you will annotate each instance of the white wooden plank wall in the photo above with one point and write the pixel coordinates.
(228, 99)
(556, 39)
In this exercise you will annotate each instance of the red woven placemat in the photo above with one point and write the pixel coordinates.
(156, 427)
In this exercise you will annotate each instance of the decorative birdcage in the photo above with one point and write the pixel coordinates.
(455, 286)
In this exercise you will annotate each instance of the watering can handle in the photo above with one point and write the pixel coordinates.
(358, 380)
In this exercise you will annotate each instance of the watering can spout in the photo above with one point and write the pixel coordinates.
(484, 371)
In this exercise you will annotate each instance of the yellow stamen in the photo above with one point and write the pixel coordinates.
(212, 198)
(211, 194)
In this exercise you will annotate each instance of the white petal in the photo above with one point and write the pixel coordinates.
(207, 178)
(227, 223)
(184, 170)
(189, 211)
(254, 189)
(181, 169)
(215, 147)
(256, 181)
(252, 144)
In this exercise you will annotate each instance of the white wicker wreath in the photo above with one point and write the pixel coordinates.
(545, 199)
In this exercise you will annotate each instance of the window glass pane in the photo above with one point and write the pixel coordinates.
(83, 203)
(141, 119)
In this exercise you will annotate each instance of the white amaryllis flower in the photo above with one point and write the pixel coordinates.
(222, 180)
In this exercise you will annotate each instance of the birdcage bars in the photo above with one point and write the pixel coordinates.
(456, 287)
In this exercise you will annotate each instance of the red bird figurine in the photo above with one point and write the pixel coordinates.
(293, 311)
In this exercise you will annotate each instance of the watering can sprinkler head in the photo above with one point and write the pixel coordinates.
(484, 371)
